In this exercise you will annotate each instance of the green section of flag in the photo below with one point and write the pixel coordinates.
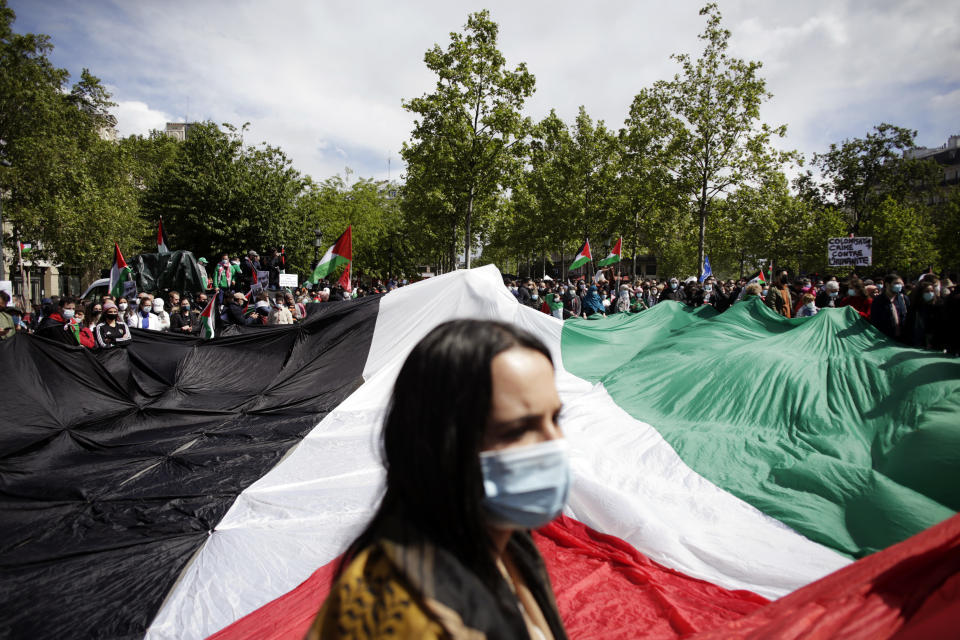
(821, 422)
(328, 265)
(609, 260)
(579, 262)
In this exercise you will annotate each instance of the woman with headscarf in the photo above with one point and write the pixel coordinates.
(571, 304)
(592, 303)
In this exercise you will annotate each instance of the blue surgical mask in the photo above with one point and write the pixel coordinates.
(896, 288)
(526, 487)
(68, 314)
(928, 296)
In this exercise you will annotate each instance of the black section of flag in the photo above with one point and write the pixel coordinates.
(116, 465)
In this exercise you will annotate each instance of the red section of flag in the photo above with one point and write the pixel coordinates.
(605, 589)
(118, 257)
(343, 247)
(908, 591)
(617, 250)
(585, 251)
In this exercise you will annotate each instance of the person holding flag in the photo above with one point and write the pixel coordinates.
(340, 254)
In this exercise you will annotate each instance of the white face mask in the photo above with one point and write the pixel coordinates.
(851, 292)
(158, 308)
(810, 305)
(122, 306)
(765, 292)
(708, 288)
(68, 313)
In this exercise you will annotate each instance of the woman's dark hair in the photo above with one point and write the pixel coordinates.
(432, 435)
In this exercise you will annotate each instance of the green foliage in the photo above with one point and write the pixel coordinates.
(66, 185)
(218, 195)
(373, 208)
(860, 174)
(464, 145)
(904, 238)
(703, 128)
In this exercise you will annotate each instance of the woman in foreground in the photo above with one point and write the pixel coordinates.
(474, 459)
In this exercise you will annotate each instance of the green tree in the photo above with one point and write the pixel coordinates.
(218, 195)
(859, 174)
(381, 240)
(464, 145)
(66, 184)
(904, 238)
(704, 125)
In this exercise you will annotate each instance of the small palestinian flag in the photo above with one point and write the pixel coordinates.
(207, 325)
(614, 256)
(25, 248)
(757, 277)
(120, 274)
(340, 253)
(162, 244)
(583, 257)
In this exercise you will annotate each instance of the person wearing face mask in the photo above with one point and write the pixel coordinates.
(89, 321)
(673, 291)
(162, 315)
(223, 276)
(124, 310)
(888, 312)
(571, 304)
(111, 331)
(807, 307)
(144, 317)
(475, 458)
(829, 295)
(592, 303)
(924, 324)
(185, 320)
(857, 297)
(57, 320)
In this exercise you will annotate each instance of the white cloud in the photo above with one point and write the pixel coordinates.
(135, 117)
(325, 81)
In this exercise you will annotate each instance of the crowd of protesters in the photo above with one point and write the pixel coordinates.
(105, 321)
(922, 312)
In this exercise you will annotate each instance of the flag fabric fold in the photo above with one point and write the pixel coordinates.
(614, 256)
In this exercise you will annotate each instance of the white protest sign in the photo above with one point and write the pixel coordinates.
(854, 252)
(288, 280)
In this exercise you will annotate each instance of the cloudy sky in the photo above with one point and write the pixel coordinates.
(324, 79)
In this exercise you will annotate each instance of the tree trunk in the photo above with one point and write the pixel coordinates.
(703, 227)
(467, 238)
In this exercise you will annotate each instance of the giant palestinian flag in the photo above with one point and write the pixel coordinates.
(719, 461)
